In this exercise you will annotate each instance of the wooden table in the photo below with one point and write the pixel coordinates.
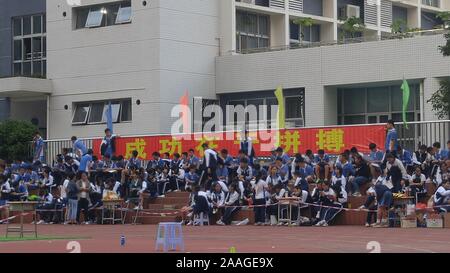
(110, 205)
(289, 202)
(22, 208)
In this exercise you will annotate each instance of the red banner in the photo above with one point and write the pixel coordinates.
(334, 140)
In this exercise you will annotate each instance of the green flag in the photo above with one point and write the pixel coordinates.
(405, 89)
(281, 118)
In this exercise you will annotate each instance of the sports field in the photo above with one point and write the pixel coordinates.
(246, 239)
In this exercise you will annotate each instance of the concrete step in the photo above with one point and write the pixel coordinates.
(164, 206)
(355, 202)
(178, 194)
(154, 220)
(171, 200)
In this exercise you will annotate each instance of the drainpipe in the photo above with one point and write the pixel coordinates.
(48, 117)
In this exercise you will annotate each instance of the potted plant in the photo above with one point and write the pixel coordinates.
(303, 23)
(351, 26)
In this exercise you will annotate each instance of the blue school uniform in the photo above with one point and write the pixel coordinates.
(79, 145)
(325, 158)
(85, 159)
(347, 169)
(39, 149)
(376, 156)
(391, 136)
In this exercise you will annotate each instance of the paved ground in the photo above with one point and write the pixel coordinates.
(245, 239)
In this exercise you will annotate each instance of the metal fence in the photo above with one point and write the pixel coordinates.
(410, 137)
(423, 132)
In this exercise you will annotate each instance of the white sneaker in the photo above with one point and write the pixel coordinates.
(243, 222)
(189, 224)
(367, 225)
(40, 222)
(325, 224)
(320, 223)
(356, 194)
(169, 191)
(162, 196)
(220, 223)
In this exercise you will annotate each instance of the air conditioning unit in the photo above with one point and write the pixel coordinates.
(350, 11)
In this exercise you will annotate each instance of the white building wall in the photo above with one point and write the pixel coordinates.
(169, 47)
(331, 66)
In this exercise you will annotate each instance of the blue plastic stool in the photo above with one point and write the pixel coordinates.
(170, 236)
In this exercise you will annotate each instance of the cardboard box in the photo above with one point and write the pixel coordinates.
(435, 221)
(408, 222)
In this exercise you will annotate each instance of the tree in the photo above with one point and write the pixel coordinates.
(15, 138)
(303, 22)
(445, 17)
(398, 26)
(440, 100)
(351, 26)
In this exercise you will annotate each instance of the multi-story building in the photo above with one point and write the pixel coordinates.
(143, 55)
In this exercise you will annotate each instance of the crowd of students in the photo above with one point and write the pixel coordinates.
(221, 183)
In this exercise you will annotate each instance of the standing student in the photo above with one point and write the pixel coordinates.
(273, 178)
(84, 188)
(391, 138)
(78, 147)
(247, 147)
(210, 159)
(72, 199)
(396, 171)
(259, 187)
(38, 144)
(108, 145)
(85, 161)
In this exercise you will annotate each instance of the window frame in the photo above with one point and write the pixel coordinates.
(117, 22)
(87, 114)
(105, 9)
(105, 103)
(99, 24)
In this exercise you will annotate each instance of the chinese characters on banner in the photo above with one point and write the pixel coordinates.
(333, 140)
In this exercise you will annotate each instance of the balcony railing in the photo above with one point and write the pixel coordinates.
(363, 39)
(432, 3)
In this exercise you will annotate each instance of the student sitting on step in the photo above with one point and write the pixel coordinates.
(231, 204)
(330, 205)
(442, 197)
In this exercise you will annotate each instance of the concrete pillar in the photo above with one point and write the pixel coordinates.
(227, 26)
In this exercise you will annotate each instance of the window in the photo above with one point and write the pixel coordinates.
(81, 113)
(252, 30)
(96, 112)
(94, 18)
(376, 104)
(124, 15)
(29, 46)
(103, 15)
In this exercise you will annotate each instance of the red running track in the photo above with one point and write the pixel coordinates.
(246, 239)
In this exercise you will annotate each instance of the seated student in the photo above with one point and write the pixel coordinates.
(193, 160)
(322, 168)
(166, 159)
(191, 178)
(405, 157)
(5, 190)
(108, 163)
(329, 204)
(259, 187)
(346, 166)
(18, 176)
(338, 179)
(71, 165)
(376, 155)
(306, 172)
(273, 178)
(134, 162)
(47, 179)
(417, 182)
(19, 192)
(283, 171)
(439, 154)
(45, 210)
(231, 205)
(163, 181)
(176, 180)
(278, 193)
(217, 197)
(258, 169)
(138, 187)
(227, 159)
(31, 178)
(121, 163)
(300, 181)
(384, 200)
(442, 174)
(442, 197)
(362, 175)
(245, 172)
(176, 162)
(96, 164)
(396, 171)
(222, 171)
(285, 158)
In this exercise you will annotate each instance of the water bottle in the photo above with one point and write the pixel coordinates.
(122, 240)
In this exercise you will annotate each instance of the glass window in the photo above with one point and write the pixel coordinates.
(126, 114)
(81, 114)
(376, 99)
(124, 15)
(26, 25)
(256, 103)
(44, 47)
(373, 119)
(44, 24)
(94, 18)
(96, 114)
(17, 22)
(264, 25)
(27, 49)
(111, 12)
(82, 15)
(354, 101)
(17, 69)
(17, 50)
(27, 68)
(349, 120)
(270, 102)
(37, 47)
(263, 42)
(115, 107)
(397, 99)
(37, 68)
(398, 117)
(37, 24)
(293, 108)
(250, 21)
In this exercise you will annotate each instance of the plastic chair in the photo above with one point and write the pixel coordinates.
(170, 236)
